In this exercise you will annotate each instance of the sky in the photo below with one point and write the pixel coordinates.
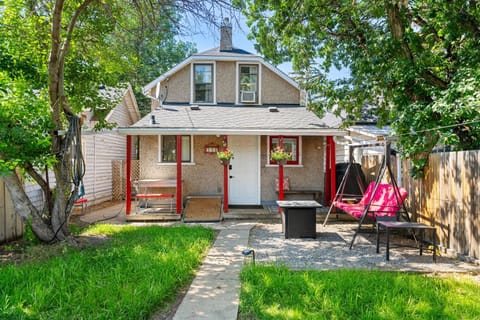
(208, 37)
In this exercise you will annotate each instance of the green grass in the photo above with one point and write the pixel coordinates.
(270, 292)
(134, 273)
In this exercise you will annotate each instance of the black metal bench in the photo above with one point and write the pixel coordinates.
(389, 225)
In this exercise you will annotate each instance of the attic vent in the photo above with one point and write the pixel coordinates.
(195, 107)
(273, 109)
(247, 96)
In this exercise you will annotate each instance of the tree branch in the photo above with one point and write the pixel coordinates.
(41, 182)
(396, 26)
(53, 64)
(63, 52)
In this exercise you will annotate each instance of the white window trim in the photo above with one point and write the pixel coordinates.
(300, 153)
(237, 81)
(159, 156)
(192, 81)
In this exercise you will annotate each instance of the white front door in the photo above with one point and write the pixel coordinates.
(244, 182)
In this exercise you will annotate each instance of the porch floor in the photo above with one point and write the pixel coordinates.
(256, 214)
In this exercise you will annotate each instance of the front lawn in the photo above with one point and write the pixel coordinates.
(278, 293)
(130, 275)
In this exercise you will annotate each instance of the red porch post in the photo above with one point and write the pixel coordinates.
(333, 170)
(225, 179)
(330, 171)
(280, 173)
(326, 184)
(179, 175)
(128, 189)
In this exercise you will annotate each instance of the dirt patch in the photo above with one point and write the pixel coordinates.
(20, 251)
(169, 311)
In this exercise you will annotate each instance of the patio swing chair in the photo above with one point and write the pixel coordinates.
(380, 201)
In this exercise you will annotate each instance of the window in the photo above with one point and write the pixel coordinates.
(203, 79)
(168, 149)
(248, 83)
(290, 144)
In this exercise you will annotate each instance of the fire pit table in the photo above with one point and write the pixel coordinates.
(299, 218)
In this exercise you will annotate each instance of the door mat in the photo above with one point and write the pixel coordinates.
(203, 209)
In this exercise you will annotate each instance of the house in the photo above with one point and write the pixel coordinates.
(229, 98)
(101, 147)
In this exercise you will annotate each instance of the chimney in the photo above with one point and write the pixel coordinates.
(226, 35)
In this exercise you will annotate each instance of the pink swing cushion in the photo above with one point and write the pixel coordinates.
(384, 203)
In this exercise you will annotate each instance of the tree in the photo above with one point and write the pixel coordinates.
(54, 54)
(417, 61)
(145, 46)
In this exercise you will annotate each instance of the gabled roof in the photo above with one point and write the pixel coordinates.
(232, 120)
(217, 51)
(126, 94)
(216, 55)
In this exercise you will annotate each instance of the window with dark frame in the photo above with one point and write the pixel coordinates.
(203, 78)
(290, 144)
(248, 83)
(169, 149)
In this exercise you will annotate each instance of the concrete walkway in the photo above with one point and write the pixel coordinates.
(214, 293)
(215, 290)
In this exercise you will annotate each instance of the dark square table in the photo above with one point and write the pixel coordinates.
(299, 218)
(388, 225)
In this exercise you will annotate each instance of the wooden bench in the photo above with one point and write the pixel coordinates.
(316, 194)
(149, 196)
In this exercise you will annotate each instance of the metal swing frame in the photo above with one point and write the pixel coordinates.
(386, 165)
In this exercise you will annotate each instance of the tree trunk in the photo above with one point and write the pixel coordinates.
(64, 197)
(25, 209)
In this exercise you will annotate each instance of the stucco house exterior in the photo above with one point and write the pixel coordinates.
(229, 98)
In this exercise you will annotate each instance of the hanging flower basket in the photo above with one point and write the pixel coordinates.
(224, 161)
(225, 156)
(280, 156)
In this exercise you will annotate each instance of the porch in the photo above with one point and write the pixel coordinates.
(114, 212)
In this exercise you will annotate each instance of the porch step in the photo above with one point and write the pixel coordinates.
(154, 217)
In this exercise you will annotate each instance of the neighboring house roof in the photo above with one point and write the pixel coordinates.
(124, 112)
(232, 120)
(369, 131)
(216, 55)
(128, 98)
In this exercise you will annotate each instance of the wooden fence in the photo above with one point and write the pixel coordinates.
(448, 197)
(11, 226)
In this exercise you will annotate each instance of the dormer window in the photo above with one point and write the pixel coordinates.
(203, 83)
(248, 83)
